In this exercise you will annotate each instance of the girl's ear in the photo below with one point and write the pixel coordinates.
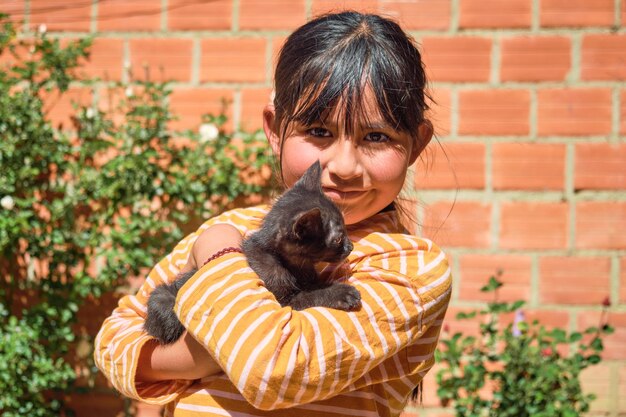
(424, 135)
(269, 116)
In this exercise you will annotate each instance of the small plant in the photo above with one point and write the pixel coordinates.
(517, 370)
(87, 205)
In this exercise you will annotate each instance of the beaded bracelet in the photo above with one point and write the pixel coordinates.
(224, 251)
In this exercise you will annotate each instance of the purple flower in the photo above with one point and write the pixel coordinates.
(519, 318)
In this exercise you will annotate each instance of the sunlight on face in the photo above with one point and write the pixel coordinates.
(363, 171)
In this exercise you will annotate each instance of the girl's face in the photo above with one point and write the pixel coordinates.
(362, 172)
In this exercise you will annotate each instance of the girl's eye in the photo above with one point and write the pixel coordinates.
(319, 132)
(377, 137)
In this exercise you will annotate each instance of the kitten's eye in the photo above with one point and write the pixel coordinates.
(319, 132)
(337, 240)
(377, 137)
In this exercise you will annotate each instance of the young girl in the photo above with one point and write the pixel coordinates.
(349, 92)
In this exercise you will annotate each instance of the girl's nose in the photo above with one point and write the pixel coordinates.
(343, 160)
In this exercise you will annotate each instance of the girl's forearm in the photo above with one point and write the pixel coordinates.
(183, 359)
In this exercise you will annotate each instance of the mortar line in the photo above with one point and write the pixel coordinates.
(93, 23)
(126, 78)
(454, 17)
(535, 24)
(494, 75)
(26, 11)
(164, 15)
(615, 281)
(196, 60)
(574, 75)
(235, 22)
(617, 17)
(533, 115)
(615, 114)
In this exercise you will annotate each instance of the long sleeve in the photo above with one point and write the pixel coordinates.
(277, 357)
(121, 337)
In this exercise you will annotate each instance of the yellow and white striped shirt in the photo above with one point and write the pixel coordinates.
(282, 362)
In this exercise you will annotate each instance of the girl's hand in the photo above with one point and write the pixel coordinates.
(183, 359)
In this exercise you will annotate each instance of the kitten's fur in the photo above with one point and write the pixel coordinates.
(303, 227)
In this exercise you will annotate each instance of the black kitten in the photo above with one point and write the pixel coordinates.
(303, 227)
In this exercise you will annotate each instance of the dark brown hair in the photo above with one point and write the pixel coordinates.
(330, 60)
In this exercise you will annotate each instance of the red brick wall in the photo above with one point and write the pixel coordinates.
(530, 117)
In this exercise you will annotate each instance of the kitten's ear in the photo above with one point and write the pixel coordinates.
(312, 177)
(308, 223)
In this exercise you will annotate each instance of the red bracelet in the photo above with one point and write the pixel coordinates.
(224, 251)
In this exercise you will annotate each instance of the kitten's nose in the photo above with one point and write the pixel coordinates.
(347, 247)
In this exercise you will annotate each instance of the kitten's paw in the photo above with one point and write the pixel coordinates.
(345, 297)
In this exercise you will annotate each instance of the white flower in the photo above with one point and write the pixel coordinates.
(7, 202)
(43, 28)
(129, 91)
(208, 132)
(89, 113)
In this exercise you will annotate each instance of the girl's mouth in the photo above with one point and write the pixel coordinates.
(341, 195)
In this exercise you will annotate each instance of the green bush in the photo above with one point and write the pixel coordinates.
(517, 370)
(84, 207)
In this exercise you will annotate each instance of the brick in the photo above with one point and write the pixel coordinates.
(451, 166)
(122, 15)
(622, 280)
(60, 109)
(528, 225)
(166, 59)
(574, 112)
(57, 16)
(548, 318)
(319, 7)
(419, 14)
(555, 13)
(452, 325)
(475, 271)
(545, 58)
(271, 14)
(105, 60)
(600, 166)
(213, 15)
(457, 59)
(603, 57)
(495, 14)
(614, 344)
(440, 110)
(190, 104)
(233, 60)
(566, 280)
(596, 380)
(458, 224)
(253, 100)
(16, 11)
(528, 166)
(600, 225)
(494, 112)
